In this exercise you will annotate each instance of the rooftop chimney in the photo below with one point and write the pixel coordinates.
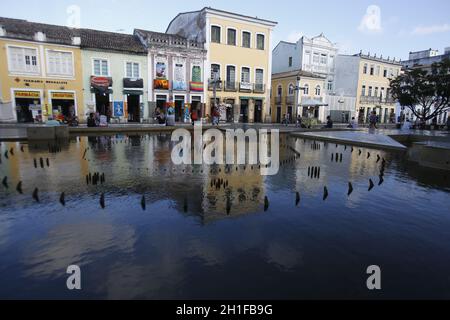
(2, 31)
(39, 36)
(76, 41)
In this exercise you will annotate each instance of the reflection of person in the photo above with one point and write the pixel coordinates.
(353, 124)
(215, 116)
(329, 124)
(373, 119)
(194, 116)
(91, 121)
(299, 121)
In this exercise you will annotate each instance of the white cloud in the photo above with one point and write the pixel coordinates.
(294, 36)
(425, 30)
(371, 21)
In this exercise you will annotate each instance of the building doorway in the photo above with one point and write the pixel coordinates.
(230, 110)
(278, 119)
(103, 105)
(257, 118)
(24, 110)
(289, 112)
(179, 108)
(196, 106)
(134, 108)
(244, 110)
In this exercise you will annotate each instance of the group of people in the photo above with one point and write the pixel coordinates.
(97, 120)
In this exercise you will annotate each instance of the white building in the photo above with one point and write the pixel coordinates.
(316, 55)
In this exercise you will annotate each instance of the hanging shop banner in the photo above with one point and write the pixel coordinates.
(161, 84)
(179, 75)
(246, 86)
(63, 96)
(161, 68)
(196, 77)
(27, 94)
(133, 83)
(118, 108)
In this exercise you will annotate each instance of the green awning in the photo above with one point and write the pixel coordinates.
(133, 92)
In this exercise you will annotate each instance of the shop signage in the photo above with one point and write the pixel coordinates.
(133, 83)
(118, 108)
(27, 94)
(63, 96)
(101, 82)
(179, 75)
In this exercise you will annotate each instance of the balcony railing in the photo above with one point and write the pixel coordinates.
(278, 100)
(259, 88)
(231, 86)
(377, 100)
(219, 85)
(245, 87)
(290, 99)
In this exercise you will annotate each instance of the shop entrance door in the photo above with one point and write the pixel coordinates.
(24, 113)
(134, 108)
(244, 110)
(258, 111)
(102, 105)
(179, 108)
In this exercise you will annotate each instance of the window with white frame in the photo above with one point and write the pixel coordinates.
(306, 89)
(101, 67)
(60, 63)
(291, 90)
(245, 75)
(215, 34)
(231, 75)
(279, 90)
(260, 42)
(323, 59)
(23, 60)
(259, 76)
(215, 71)
(132, 70)
(231, 37)
(246, 39)
(316, 58)
(317, 90)
(330, 85)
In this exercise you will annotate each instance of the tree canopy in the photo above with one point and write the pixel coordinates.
(425, 92)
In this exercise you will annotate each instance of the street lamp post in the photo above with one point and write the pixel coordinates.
(296, 96)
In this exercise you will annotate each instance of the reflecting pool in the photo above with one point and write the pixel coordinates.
(205, 232)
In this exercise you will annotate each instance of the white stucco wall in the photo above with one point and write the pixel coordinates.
(280, 58)
(347, 73)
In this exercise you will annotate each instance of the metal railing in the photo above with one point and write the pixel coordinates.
(245, 87)
(377, 100)
(230, 86)
(289, 99)
(259, 88)
(219, 85)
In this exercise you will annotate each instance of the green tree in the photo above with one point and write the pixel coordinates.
(425, 92)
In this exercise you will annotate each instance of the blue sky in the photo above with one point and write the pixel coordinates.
(388, 27)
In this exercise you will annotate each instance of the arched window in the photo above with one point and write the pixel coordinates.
(291, 89)
(280, 90)
(318, 90)
(306, 90)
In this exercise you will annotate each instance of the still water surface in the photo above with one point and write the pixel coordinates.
(186, 246)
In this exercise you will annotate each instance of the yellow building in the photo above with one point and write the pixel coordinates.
(40, 71)
(368, 79)
(238, 64)
(297, 92)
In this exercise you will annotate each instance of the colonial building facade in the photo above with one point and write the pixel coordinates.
(114, 75)
(367, 78)
(298, 93)
(40, 71)
(175, 72)
(238, 61)
(316, 55)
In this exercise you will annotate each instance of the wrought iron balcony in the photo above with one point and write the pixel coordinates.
(245, 87)
(231, 86)
(259, 88)
(278, 100)
(377, 100)
(290, 99)
(219, 85)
